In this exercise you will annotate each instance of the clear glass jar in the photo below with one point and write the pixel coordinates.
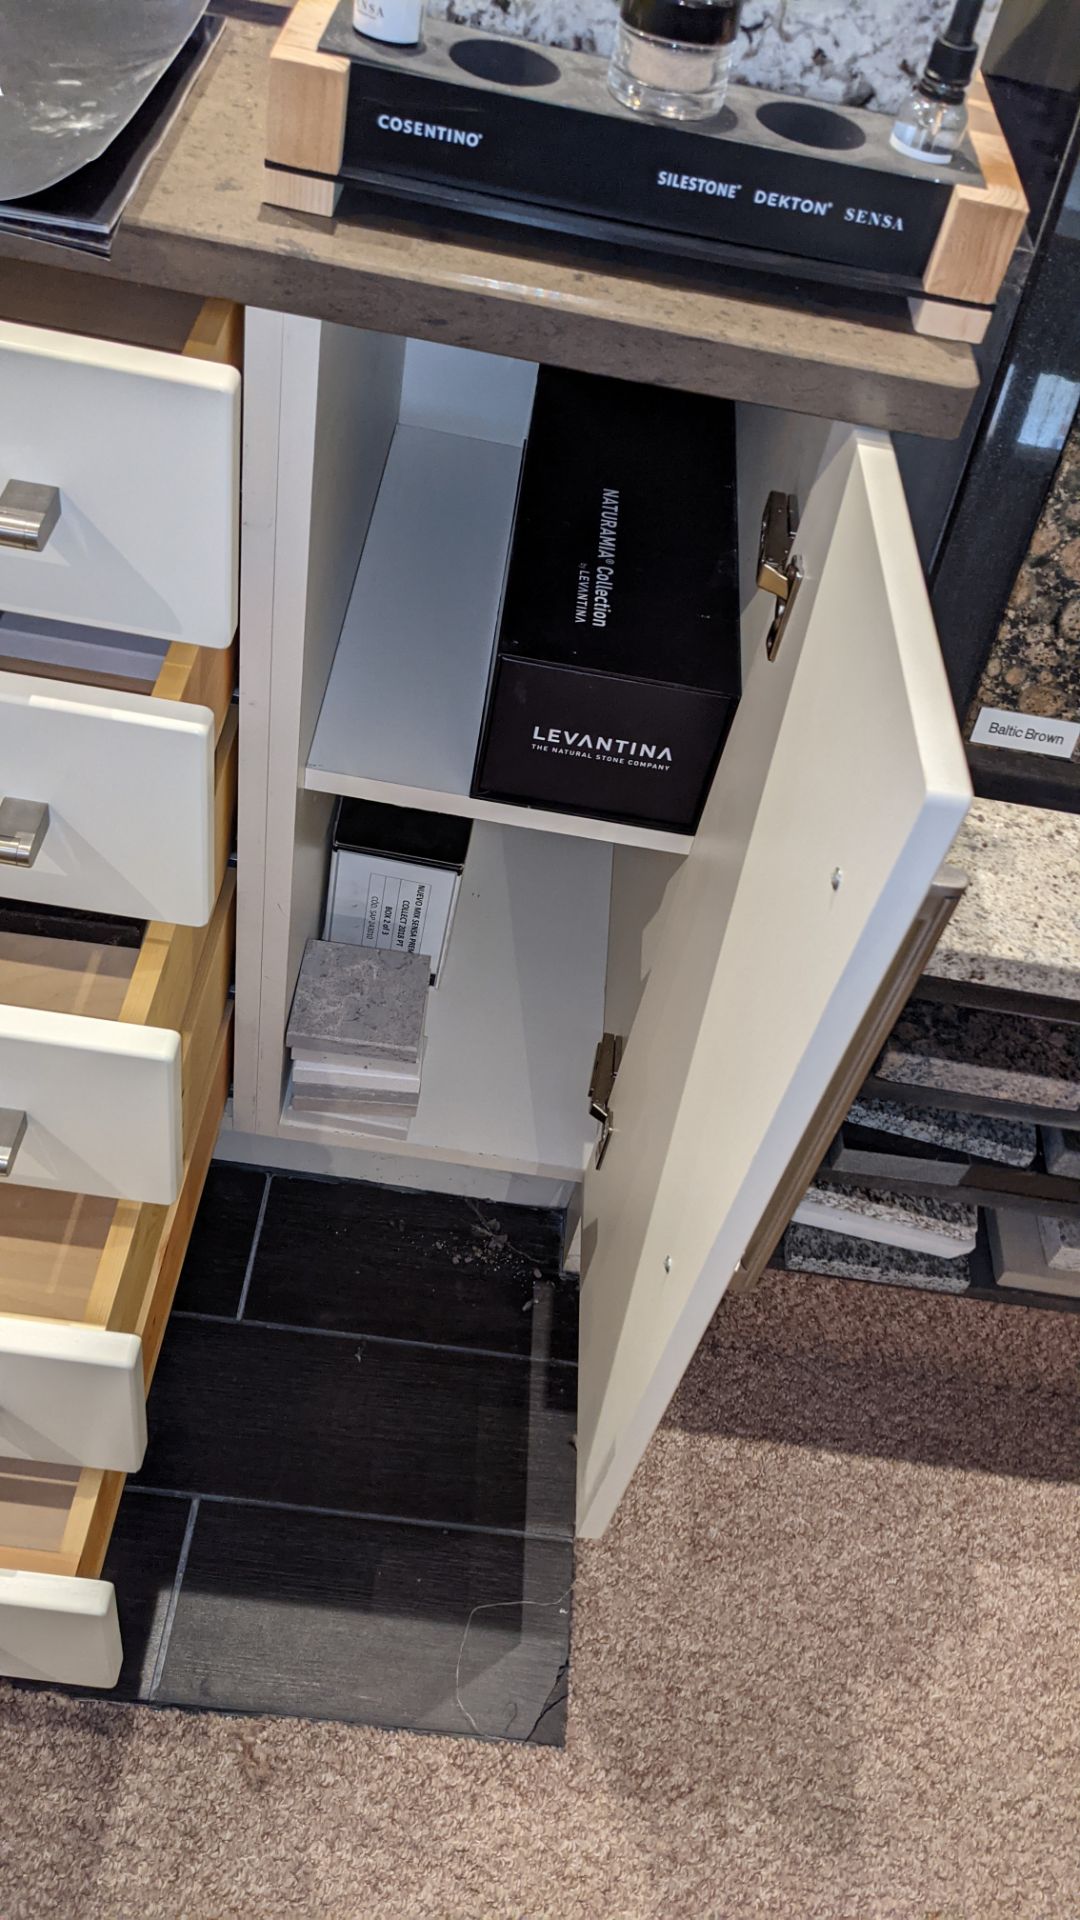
(672, 78)
(929, 129)
(672, 58)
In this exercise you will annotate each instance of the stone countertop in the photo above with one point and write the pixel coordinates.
(1018, 924)
(198, 224)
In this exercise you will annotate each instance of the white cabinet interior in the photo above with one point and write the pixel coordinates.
(740, 975)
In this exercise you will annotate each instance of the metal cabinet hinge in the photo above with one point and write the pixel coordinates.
(605, 1067)
(780, 571)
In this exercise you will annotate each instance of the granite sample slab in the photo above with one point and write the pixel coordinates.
(1061, 1243)
(1009, 1143)
(968, 1052)
(812, 1250)
(359, 1001)
(1017, 926)
(1018, 1256)
(1061, 1151)
(937, 1227)
(1034, 663)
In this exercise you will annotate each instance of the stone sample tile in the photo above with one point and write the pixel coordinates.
(1018, 1255)
(1061, 1243)
(1018, 924)
(1034, 663)
(1010, 1143)
(811, 1250)
(1061, 1150)
(356, 1000)
(866, 1213)
(961, 1051)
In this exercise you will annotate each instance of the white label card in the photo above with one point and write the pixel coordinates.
(1025, 733)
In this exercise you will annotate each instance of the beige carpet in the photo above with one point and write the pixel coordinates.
(826, 1667)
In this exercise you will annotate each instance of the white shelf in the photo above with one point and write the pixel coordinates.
(402, 711)
(514, 1023)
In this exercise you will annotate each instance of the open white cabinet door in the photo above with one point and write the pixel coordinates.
(787, 940)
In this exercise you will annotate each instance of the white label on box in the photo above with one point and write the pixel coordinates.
(1025, 733)
(377, 902)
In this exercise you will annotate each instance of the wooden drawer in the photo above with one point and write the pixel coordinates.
(142, 447)
(100, 1048)
(125, 763)
(58, 1619)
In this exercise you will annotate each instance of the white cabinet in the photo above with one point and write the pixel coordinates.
(749, 968)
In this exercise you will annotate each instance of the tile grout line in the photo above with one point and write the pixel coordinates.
(365, 1515)
(255, 1238)
(377, 1339)
(174, 1601)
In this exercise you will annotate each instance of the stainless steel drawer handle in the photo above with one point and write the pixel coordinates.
(23, 826)
(12, 1128)
(28, 515)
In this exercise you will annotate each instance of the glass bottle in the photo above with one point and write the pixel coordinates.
(930, 124)
(672, 57)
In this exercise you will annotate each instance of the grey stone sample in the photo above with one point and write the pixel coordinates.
(1061, 1150)
(328, 1093)
(1061, 1243)
(358, 1001)
(1009, 1143)
(938, 1227)
(811, 1250)
(984, 1056)
(1019, 1258)
(1018, 923)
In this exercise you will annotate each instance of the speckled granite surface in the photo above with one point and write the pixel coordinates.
(1018, 924)
(1034, 664)
(985, 1056)
(857, 51)
(839, 1255)
(869, 1213)
(1010, 1143)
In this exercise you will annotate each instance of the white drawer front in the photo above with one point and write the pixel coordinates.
(129, 784)
(54, 1627)
(71, 1394)
(102, 1104)
(144, 449)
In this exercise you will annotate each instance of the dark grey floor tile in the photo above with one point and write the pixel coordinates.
(415, 1627)
(362, 1426)
(218, 1252)
(414, 1266)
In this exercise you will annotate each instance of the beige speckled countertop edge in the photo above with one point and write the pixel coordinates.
(197, 224)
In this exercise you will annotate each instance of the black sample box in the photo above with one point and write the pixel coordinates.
(617, 663)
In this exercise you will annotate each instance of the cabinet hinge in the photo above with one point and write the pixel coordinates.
(605, 1067)
(780, 571)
